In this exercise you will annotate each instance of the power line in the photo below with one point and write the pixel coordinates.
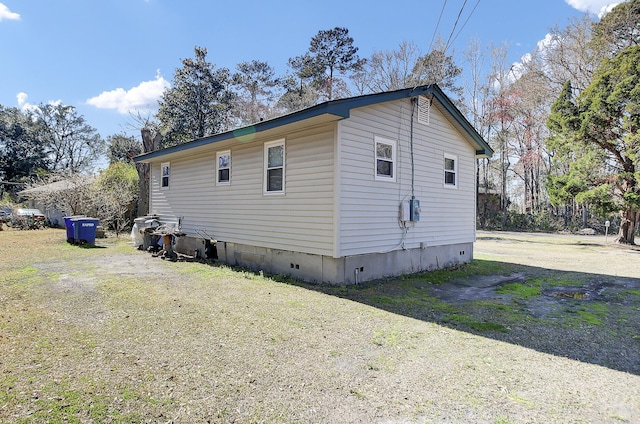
(435, 31)
(465, 22)
(446, 46)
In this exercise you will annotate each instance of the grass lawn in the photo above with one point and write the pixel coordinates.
(110, 334)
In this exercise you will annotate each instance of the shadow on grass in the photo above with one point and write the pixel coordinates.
(88, 246)
(587, 317)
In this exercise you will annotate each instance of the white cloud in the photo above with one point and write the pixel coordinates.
(5, 13)
(142, 98)
(595, 7)
(27, 107)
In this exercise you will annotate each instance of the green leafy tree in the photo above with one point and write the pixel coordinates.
(123, 148)
(198, 104)
(73, 146)
(300, 88)
(330, 52)
(22, 152)
(620, 28)
(601, 131)
(297, 95)
(256, 81)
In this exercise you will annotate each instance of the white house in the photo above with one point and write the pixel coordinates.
(345, 191)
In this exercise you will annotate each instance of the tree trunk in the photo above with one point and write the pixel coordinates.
(628, 226)
(143, 188)
(149, 144)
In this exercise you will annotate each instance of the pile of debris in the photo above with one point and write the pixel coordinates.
(151, 235)
(166, 240)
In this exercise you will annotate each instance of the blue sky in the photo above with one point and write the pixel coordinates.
(111, 58)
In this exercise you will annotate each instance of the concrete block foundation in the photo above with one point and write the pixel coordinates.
(325, 269)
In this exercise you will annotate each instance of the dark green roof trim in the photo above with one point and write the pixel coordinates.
(340, 108)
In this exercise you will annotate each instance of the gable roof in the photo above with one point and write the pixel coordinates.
(55, 186)
(335, 110)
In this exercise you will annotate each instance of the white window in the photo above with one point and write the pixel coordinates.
(166, 173)
(450, 171)
(223, 168)
(385, 159)
(274, 157)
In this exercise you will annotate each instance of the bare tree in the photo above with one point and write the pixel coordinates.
(477, 88)
(499, 113)
(114, 195)
(68, 193)
(569, 55)
(531, 95)
(388, 70)
(437, 67)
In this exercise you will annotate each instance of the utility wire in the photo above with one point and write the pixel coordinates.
(446, 46)
(435, 31)
(465, 22)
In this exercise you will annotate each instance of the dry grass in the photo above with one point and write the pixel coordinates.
(111, 334)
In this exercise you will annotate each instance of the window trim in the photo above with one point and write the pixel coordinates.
(456, 175)
(267, 146)
(218, 169)
(164, 165)
(394, 158)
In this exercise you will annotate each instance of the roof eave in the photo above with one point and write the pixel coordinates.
(339, 109)
(484, 150)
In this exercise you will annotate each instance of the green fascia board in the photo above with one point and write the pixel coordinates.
(340, 108)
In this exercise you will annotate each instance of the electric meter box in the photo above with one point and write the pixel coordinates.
(410, 210)
(414, 210)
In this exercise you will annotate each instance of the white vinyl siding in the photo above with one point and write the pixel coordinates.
(369, 211)
(334, 204)
(301, 221)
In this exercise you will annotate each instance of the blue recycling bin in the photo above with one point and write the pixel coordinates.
(84, 230)
(68, 223)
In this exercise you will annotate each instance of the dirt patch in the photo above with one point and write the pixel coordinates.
(575, 296)
(481, 287)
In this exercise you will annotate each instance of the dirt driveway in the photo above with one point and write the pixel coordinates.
(113, 335)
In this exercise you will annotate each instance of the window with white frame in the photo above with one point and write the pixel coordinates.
(223, 168)
(450, 171)
(274, 167)
(385, 159)
(166, 173)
